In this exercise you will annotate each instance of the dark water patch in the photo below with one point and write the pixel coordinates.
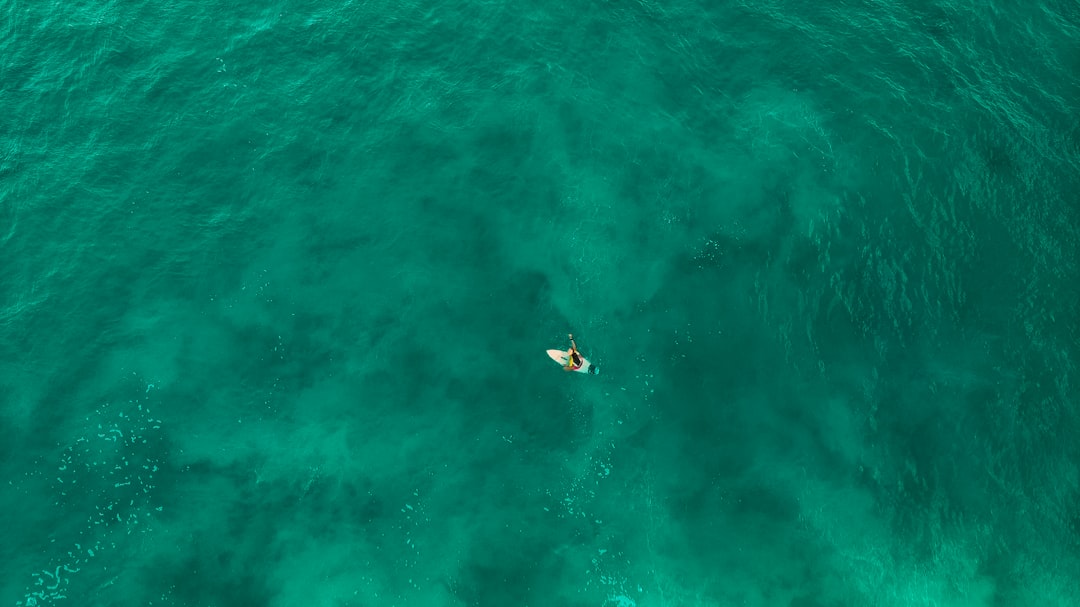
(208, 571)
(493, 575)
(937, 19)
(995, 154)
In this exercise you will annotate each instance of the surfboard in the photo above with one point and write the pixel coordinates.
(559, 356)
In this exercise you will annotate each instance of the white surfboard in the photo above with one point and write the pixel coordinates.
(559, 356)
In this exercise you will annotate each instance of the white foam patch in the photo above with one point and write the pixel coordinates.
(105, 477)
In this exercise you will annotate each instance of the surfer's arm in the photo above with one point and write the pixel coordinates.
(572, 344)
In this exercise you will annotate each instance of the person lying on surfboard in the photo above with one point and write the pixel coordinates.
(573, 357)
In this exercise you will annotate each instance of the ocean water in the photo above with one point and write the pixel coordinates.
(276, 281)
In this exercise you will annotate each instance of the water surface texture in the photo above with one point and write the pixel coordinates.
(277, 279)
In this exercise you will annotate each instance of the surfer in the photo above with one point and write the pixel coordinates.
(573, 357)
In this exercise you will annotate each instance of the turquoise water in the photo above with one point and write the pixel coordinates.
(276, 284)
